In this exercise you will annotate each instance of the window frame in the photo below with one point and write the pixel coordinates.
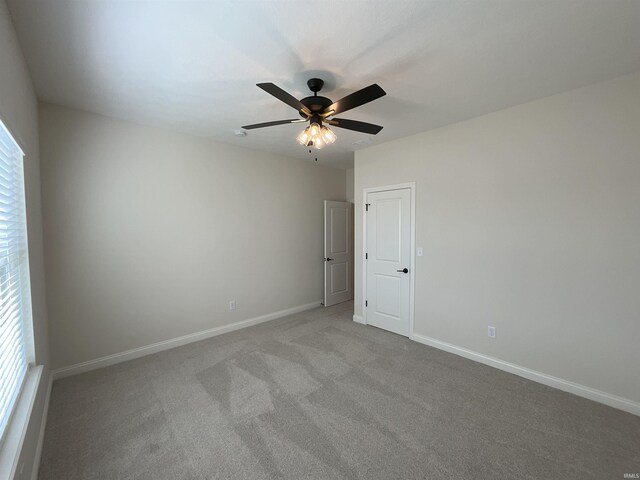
(13, 434)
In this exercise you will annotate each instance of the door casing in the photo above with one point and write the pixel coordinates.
(412, 281)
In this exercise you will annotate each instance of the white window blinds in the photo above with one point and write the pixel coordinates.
(14, 277)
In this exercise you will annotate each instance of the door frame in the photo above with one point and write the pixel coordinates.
(412, 280)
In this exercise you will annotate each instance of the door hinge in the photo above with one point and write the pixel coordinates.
(366, 256)
(366, 206)
(366, 303)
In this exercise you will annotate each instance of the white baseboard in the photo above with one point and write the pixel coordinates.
(549, 380)
(174, 342)
(358, 319)
(43, 425)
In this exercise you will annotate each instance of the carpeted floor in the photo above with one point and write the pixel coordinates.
(316, 396)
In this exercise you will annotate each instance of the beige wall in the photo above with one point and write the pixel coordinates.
(349, 189)
(530, 221)
(349, 180)
(149, 234)
(18, 111)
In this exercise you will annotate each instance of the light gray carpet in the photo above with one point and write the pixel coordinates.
(316, 396)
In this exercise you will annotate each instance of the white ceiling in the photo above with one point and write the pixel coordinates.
(192, 66)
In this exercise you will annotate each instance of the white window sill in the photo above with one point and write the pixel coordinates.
(12, 444)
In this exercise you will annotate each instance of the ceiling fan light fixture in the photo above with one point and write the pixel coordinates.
(316, 136)
(314, 129)
(304, 137)
(327, 135)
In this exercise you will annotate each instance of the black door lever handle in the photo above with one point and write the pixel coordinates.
(329, 259)
(404, 270)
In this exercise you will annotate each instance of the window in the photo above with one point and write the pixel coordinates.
(15, 298)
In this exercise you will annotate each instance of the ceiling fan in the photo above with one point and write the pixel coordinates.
(318, 110)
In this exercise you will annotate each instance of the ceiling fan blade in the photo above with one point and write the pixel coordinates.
(272, 124)
(363, 127)
(366, 95)
(283, 96)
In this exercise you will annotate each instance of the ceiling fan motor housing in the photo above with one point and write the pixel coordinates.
(317, 105)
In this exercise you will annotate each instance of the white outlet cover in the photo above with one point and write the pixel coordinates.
(232, 305)
(491, 332)
(419, 251)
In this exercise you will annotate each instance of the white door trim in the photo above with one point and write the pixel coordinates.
(412, 281)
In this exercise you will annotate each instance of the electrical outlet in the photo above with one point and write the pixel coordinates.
(491, 332)
(232, 304)
(419, 253)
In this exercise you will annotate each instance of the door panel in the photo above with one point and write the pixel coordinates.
(337, 252)
(389, 303)
(339, 229)
(388, 253)
(388, 218)
(339, 277)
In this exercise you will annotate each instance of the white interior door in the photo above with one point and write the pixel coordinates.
(337, 252)
(388, 259)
